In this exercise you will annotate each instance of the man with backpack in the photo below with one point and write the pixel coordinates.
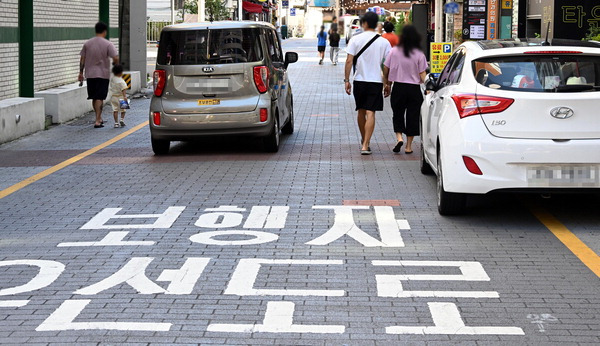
(366, 53)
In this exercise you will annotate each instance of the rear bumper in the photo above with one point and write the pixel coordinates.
(504, 162)
(188, 135)
(181, 127)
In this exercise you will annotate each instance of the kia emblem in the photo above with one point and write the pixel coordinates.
(208, 69)
(562, 112)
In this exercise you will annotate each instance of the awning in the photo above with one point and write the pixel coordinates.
(251, 7)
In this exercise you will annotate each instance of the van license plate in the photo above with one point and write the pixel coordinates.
(564, 176)
(209, 102)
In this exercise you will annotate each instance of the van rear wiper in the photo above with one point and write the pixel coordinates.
(576, 88)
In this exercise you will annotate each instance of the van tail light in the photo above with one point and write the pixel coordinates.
(264, 115)
(354, 27)
(472, 165)
(156, 118)
(261, 78)
(160, 80)
(472, 104)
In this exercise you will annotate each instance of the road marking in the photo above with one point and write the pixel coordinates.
(574, 244)
(18, 186)
(279, 318)
(447, 321)
(63, 317)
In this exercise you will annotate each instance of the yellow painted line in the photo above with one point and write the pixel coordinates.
(18, 186)
(570, 240)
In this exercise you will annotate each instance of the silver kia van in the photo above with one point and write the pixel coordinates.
(218, 79)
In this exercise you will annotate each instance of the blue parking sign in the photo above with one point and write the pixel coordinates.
(292, 12)
(447, 48)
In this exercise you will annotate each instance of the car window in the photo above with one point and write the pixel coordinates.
(443, 79)
(272, 47)
(540, 73)
(201, 47)
(456, 69)
(278, 54)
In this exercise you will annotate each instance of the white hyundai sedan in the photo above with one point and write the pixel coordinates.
(513, 116)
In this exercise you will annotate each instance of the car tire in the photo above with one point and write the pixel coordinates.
(288, 129)
(160, 146)
(448, 203)
(423, 165)
(271, 141)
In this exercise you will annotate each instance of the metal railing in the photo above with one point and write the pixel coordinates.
(154, 29)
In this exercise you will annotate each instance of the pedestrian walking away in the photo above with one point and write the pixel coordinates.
(334, 25)
(366, 53)
(322, 44)
(95, 61)
(405, 67)
(334, 46)
(118, 95)
(389, 34)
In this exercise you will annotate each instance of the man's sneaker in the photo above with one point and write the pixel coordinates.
(122, 123)
(116, 126)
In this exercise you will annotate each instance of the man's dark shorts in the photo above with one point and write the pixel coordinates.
(97, 88)
(368, 95)
(321, 48)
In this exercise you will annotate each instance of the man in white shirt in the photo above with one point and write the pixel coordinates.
(368, 80)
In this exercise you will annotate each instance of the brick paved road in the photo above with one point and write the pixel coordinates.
(278, 275)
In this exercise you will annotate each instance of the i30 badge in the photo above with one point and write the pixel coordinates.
(208, 69)
(561, 112)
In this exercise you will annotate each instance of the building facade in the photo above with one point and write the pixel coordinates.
(40, 41)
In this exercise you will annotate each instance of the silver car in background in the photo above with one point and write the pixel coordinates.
(221, 78)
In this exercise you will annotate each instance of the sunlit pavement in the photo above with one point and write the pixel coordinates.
(219, 242)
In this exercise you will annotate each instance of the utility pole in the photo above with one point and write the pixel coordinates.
(240, 10)
(201, 10)
(172, 12)
(439, 14)
(337, 9)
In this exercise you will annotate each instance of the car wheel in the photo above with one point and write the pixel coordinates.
(288, 129)
(271, 142)
(160, 146)
(424, 166)
(449, 203)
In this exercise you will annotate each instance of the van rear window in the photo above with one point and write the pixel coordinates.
(203, 47)
(539, 73)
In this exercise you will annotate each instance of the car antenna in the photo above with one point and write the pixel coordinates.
(546, 42)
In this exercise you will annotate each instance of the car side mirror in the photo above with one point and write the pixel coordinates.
(431, 83)
(290, 58)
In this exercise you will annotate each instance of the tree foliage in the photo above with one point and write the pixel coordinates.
(400, 22)
(593, 34)
(216, 10)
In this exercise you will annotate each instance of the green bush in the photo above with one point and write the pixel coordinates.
(593, 34)
(400, 22)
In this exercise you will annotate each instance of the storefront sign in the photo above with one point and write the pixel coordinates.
(439, 54)
(451, 8)
(573, 18)
(475, 19)
(492, 19)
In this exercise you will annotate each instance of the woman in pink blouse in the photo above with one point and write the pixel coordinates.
(405, 66)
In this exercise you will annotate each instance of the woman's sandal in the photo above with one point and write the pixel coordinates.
(408, 152)
(98, 126)
(398, 146)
